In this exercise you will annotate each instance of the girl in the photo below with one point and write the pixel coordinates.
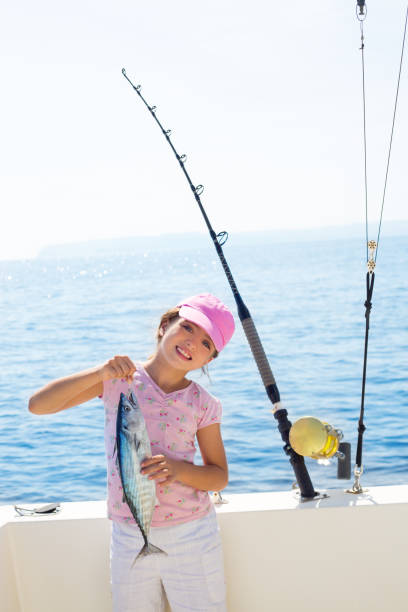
(176, 411)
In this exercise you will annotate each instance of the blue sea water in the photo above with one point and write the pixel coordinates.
(63, 315)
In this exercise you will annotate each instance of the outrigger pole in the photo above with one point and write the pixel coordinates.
(297, 461)
(371, 245)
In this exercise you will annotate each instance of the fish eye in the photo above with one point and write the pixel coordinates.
(127, 408)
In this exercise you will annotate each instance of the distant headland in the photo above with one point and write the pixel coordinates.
(190, 240)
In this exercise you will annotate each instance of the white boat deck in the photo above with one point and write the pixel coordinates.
(345, 552)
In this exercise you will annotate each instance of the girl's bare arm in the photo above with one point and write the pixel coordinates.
(80, 387)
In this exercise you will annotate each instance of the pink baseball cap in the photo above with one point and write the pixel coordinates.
(209, 313)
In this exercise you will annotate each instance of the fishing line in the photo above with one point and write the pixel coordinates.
(361, 12)
(371, 245)
(297, 461)
(392, 129)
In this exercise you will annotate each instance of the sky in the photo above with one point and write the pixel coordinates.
(264, 97)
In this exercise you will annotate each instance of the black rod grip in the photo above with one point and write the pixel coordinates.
(302, 476)
(297, 461)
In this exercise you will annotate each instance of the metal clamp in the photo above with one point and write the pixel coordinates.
(356, 489)
(218, 499)
(361, 10)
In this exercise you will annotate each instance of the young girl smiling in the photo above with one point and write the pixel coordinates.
(177, 411)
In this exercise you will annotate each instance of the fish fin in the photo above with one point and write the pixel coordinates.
(137, 442)
(116, 455)
(148, 549)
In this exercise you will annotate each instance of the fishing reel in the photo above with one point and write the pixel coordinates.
(311, 437)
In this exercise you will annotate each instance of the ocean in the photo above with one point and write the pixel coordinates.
(63, 314)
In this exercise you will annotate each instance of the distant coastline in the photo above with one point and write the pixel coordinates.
(196, 240)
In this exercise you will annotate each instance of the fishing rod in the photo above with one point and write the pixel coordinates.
(284, 425)
(371, 245)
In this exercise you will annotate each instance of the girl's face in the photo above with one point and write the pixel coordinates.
(185, 345)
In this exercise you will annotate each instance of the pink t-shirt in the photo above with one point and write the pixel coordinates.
(172, 420)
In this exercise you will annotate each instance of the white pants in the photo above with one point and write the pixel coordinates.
(191, 575)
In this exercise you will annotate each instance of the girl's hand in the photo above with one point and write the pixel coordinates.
(160, 468)
(120, 366)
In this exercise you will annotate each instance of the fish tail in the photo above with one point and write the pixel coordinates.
(152, 549)
(148, 549)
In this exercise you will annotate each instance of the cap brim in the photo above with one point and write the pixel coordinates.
(197, 317)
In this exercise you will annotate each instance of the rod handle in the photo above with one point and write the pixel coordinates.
(258, 352)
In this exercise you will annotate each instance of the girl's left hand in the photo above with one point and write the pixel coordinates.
(160, 468)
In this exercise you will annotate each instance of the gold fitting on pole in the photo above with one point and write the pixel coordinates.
(372, 245)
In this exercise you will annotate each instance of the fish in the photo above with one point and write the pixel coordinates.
(133, 446)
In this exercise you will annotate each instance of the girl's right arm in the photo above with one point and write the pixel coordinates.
(79, 388)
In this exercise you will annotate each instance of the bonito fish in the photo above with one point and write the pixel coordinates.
(133, 446)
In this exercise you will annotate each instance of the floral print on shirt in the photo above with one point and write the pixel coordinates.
(172, 421)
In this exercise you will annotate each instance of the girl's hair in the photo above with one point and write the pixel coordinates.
(170, 316)
(166, 318)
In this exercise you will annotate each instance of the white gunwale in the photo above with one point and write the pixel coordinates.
(346, 551)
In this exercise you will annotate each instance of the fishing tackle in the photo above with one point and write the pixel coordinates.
(361, 9)
(297, 461)
(318, 440)
(371, 245)
(313, 438)
(43, 510)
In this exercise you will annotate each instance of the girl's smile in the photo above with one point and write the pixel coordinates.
(184, 354)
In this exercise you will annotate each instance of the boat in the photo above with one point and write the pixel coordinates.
(340, 551)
